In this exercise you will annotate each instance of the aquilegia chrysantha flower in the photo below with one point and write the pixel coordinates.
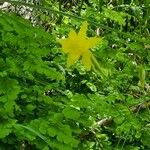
(78, 45)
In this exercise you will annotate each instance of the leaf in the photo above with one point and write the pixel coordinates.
(6, 128)
(116, 16)
(81, 101)
(4, 132)
(141, 75)
(71, 113)
(52, 131)
(146, 136)
(9, 91)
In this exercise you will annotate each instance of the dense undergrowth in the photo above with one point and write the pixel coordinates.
(45, 105)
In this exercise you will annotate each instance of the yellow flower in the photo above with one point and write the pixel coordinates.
(78, 45)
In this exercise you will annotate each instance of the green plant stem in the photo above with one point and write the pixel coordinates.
(101, 71)
(35, 132)
(80, 7)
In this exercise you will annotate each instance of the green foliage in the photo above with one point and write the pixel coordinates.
(44, 105)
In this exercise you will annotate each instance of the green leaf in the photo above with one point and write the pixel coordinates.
(141, 75)
(146, 136)
(4, 132)
(6, 128)
(71, 113)
(81, 101)
(116, 16)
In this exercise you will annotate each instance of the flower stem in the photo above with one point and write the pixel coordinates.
(100, 71)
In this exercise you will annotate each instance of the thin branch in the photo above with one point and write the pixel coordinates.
(134, 109)
(105, 122)
(140, 107)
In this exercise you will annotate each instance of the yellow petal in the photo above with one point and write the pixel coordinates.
(72, 34)
(72, 58)
(83, 29)
(86, 60)
(64, 43)
(93, 41)
(67, 43)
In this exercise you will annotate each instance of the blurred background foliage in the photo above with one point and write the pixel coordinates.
(44, 105)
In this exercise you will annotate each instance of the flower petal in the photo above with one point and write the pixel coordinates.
(83, 29)
(67, 43)
(72, 58)
(93, 41)
(72, 34)
(64, 44)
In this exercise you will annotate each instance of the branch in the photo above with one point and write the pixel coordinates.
(108, 121)
(140, 107)
(134, 109)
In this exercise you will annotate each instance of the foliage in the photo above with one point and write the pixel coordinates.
(44, 105)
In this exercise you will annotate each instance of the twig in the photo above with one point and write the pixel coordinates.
(134, 109)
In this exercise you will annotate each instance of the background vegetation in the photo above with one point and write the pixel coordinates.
(46, 106)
